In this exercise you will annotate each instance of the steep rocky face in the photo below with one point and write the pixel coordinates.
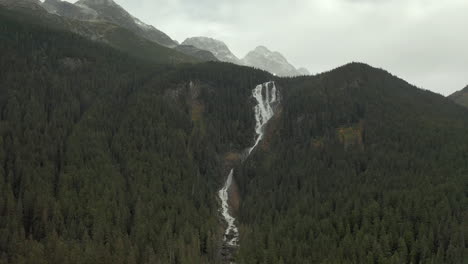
(95, 30)
(112, 12)
(271, 61)
(66, 9)
(109, 11)
(261, 57)
(219, 49)
(460, 97)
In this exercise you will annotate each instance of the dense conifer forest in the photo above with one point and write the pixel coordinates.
(361, 167)
(108, 158)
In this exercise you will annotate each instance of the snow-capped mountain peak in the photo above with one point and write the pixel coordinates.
(263, 58)
(217, 47)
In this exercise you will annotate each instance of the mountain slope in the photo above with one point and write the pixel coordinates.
(260, 58)
(219, 49)
(460, 97)
(66, 9)
(202, 55)
(303, 71)
(105, 32)
(109, 158)
(357, 167)
(113, 159)
(273, 62)
(109, 11)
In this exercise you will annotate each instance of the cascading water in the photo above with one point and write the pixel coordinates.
(263, 109)
(266, 96)
(231, 230)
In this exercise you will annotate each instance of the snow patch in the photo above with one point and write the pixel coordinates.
(141, 24)
(87, 10)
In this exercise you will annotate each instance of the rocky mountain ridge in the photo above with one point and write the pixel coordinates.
(272, 61)
(261, 57)
(108, 11)
(219, 49)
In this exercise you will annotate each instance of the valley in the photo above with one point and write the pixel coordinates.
(118, 145)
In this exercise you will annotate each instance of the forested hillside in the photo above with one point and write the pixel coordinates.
(100, 31)
(108, 159)
(359, 167)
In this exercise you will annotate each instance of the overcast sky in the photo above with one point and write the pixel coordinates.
(422, 41)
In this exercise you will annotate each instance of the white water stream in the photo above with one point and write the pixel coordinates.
(266, 95)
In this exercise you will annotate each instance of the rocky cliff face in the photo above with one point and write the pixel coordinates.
(272, 61)
(66, 9)
(109, 11)
(219, 49)
(203, 48)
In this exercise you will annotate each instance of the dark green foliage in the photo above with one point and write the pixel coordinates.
(142, 48)
(394, 190)
(104, 32)
(101, 161)
(108, 159)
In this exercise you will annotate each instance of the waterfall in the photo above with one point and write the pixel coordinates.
(266, 95)
(231, 229)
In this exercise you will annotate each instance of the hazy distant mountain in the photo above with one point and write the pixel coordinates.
(261, 57)
(272, 61)
(460, 97)
(200, 54)
(219, 49)
(108, 10)
(303, 71)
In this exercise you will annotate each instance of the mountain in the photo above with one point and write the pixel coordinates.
(107, 157)
(303, 71)
(67, 9)
(353, 164)
(460, 97)
(219, 49)
(260, 58)
(274, 62)
(105, 32)
(109, 11)
(110, 157)
(202, 55)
